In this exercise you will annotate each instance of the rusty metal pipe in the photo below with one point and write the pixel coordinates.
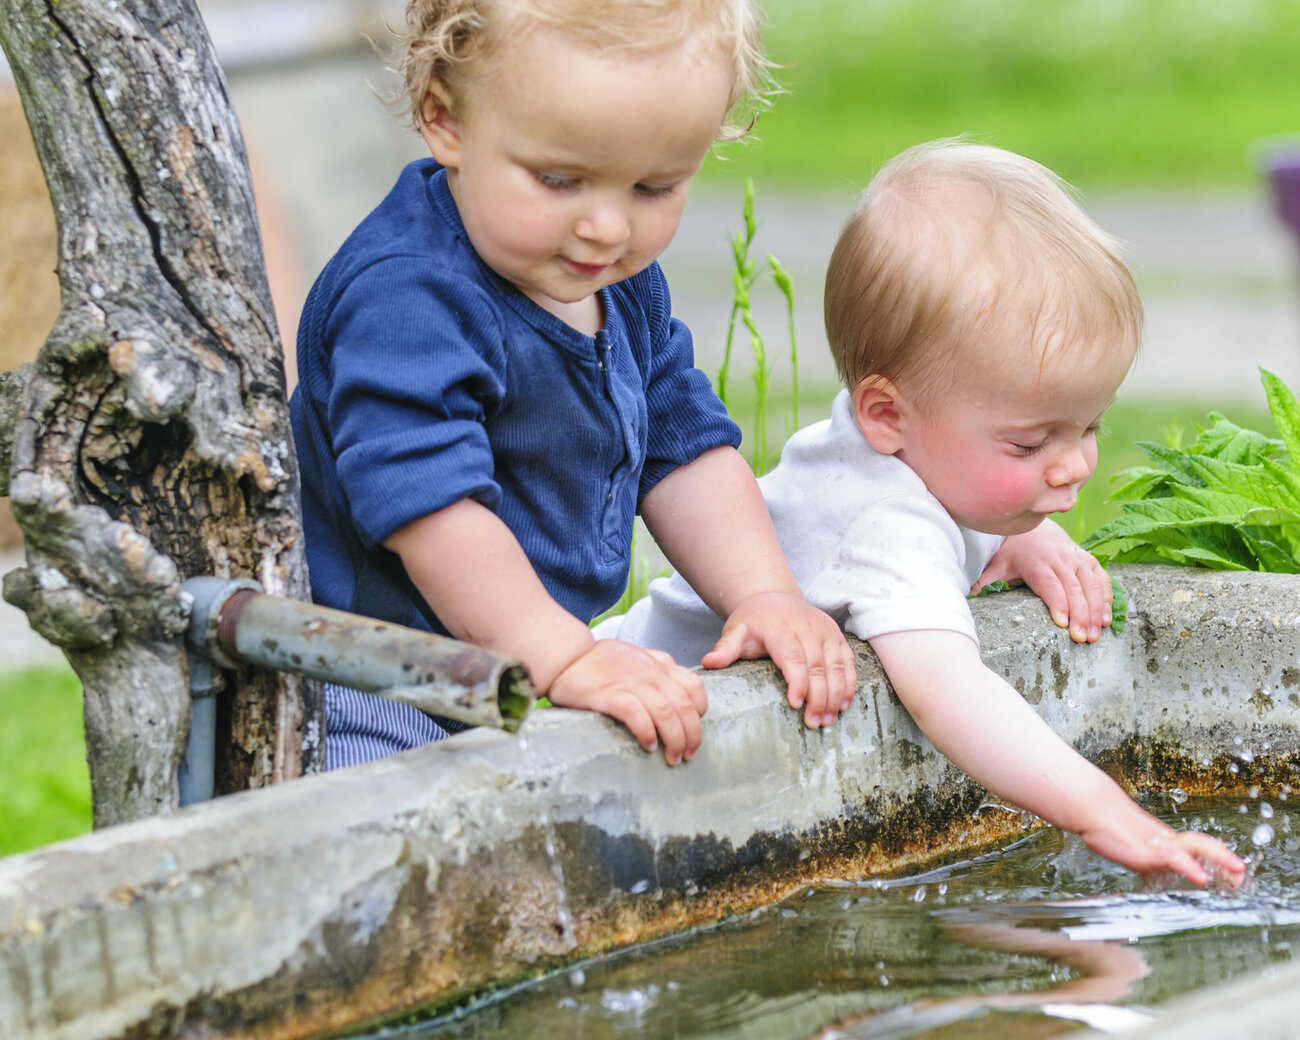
(233, 621)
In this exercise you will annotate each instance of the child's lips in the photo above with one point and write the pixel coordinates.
(586, 270)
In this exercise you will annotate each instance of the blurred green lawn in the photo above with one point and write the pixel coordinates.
(1112, 95)
(1108, 94)
(44, 783)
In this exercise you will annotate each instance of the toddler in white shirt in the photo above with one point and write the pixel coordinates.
(981, 323)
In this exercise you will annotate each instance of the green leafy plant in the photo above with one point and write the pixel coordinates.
(745, 274)
(1228, 501)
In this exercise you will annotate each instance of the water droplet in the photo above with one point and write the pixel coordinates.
(1253, 792)
(1242, 810)
(1246, 755)
(884, 980)
(1232, 768)
(943, 890)
(1178, 795)
(1265, 811)
(1205, 763)
(577, 977)
(1236, 741)
(643, 885)
(961, 838)
(1262, 835)
(919, 895)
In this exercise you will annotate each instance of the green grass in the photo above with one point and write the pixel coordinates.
(44, 782)
(1115, 94)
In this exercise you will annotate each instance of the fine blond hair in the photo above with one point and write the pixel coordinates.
(953, 241)
(444, 37)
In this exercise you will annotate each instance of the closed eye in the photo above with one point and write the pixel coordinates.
(1028, 450)
(554, 181)
(656, 191)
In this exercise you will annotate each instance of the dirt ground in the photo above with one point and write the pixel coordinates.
(29, 289)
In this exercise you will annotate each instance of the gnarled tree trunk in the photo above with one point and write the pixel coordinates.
(151, 440)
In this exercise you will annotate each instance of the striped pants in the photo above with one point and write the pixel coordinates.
(360, 727)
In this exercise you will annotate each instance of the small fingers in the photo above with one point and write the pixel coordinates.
(1097, 587)
(1080, 617)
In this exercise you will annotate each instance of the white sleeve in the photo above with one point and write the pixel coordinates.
(671, 618)
(900, 566)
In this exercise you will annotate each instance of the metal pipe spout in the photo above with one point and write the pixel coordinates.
(233, 621)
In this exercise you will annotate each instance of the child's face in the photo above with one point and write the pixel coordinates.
(570, 167)
(1006, 447)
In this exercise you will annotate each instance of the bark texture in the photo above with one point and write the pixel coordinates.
(152, 440)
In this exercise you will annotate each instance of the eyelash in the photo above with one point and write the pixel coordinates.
(558, 182)
(655, 191)
(1030, 450)
(554, 181)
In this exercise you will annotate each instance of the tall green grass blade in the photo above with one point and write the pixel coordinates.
(786, 284)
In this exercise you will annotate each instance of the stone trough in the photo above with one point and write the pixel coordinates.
(345, 898)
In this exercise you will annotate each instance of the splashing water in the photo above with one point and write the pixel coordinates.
(1030, 940)
(564, 917)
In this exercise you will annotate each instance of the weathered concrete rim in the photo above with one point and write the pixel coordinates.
(343, 898)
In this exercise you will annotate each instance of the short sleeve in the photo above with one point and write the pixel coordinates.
(411, 386)
(901, 566)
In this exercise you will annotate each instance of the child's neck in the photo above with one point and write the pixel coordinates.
(586, 315)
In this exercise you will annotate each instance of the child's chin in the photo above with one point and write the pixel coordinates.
(1017, 525)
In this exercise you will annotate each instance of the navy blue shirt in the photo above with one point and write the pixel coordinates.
(425, 378)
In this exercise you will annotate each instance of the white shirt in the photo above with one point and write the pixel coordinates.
(867, 542)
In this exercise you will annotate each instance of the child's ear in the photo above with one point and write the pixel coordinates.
(878, 407)
(439, 126)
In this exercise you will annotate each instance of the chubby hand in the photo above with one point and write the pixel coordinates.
(657, 699)
(1071, 583)
(805, 643)
(1158, 848)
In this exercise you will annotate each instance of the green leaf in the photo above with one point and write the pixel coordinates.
(1253, 482)
(1174, 462)
(1139, 482)
(991, 588)
(1272, 556)
(1151, 515)
(1198, 556)
(1285, 411)
(1229, 442)
(1118, 606)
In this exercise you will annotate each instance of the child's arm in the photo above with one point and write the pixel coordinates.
(1069, 580)
(979, 722)
(710, 520)
(472, 571)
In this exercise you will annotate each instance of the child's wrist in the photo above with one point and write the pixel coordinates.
(546, 666)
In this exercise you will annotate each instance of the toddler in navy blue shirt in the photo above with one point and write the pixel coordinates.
(492, 385)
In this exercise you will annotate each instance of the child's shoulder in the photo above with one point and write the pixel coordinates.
(406, 244)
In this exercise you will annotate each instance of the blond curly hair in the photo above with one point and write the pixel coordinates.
(444, 37)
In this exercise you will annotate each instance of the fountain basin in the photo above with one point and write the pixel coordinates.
(341, 899)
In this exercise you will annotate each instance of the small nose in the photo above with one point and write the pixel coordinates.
(1070, 467)
(604, 223)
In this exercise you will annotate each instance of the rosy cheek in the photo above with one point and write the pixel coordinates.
(1007, 486)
